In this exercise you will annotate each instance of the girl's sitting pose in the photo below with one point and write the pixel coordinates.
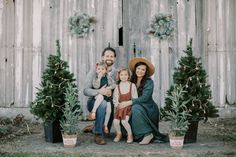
(124, 91)
(102, 80)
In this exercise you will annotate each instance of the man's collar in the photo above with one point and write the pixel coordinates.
(109, 69)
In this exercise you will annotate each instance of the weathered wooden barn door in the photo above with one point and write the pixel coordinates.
(136, 18)
(164, 54)
(7, 58)
(211, 24)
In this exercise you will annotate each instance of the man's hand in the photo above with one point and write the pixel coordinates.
(104, 91)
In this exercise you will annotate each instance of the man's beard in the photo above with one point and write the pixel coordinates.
(109, 62)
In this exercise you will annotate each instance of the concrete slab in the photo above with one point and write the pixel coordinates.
(35, 143)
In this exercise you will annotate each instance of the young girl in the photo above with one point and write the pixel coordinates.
(124, 91)
(102, 79)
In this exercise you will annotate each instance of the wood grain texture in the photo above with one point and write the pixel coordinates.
(29, 29)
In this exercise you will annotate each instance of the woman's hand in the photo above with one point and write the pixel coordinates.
(124, 104)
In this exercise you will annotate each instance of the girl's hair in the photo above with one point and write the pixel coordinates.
(118, 74)
(102, 63)
(145, 77)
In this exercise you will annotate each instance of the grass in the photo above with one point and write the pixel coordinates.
(32, 154)
(226, 130)
(61, 154)
(221, 129)
(221, 154)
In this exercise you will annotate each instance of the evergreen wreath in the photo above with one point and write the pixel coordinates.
(162, 26)
(80, 25)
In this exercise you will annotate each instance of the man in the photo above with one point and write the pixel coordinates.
(109, 57)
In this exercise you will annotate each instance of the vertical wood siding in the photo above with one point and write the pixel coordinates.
(210, 23)
(7, 54)
(28, 30)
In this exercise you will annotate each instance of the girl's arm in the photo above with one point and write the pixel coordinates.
(116, 97)
(134, 91)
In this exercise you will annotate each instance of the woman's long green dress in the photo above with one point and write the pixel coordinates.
(145, 114)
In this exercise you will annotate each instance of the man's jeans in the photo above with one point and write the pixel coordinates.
(100, 115)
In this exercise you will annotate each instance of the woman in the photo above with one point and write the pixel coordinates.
(145, 112)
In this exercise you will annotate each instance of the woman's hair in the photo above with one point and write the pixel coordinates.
(118, 74)
(145, 77)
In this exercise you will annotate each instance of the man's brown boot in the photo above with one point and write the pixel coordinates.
(88, 129)
(98, 139)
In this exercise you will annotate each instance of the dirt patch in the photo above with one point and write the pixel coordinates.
(220, 129)
(12, 129)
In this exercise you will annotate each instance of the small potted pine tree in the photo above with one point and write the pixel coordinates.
(178, 117)
(71, 112)
(192, 76)
(50, 98)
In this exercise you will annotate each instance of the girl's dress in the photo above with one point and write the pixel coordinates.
(123, 112)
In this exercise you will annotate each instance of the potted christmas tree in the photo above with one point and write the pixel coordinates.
(177, 116)
(50, 98)
(69, 121)
(191, 75)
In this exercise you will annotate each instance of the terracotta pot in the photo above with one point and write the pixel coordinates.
(69, 141)
(176, 142)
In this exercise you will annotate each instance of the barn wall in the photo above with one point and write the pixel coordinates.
(211, 24)
(29, 29)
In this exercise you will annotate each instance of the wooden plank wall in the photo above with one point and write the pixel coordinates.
(7, 55)
(221, 49)
(28, 30)
(210, 23)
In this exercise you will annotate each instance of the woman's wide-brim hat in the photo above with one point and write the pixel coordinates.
(136, 60)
